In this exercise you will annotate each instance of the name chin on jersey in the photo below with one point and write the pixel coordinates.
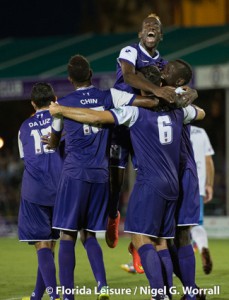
(88, 101)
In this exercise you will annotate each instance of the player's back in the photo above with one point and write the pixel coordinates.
(156, 138)
(87, 146)
(42, 166)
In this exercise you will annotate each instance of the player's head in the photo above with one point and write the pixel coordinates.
(42, 94)
(79, 70)
(151, 32)
(176, 73)
(152, 73)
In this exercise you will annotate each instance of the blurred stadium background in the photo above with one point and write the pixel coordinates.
(37, 39)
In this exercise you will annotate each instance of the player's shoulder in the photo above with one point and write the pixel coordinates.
(133, 48)
(28, 121)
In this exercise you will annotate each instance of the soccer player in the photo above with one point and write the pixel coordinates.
(156, 136)
(203, 152)
(187, 212)
(130, 60)
(39, 184)
(82, 197)
(177, 73)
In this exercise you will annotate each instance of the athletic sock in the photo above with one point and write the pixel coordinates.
(152, 266)
(95, 256)
(199, 235)
(39, 287)
(48, 270)
(167, 269)
(187, 266)
(175, 260)
(67, 266)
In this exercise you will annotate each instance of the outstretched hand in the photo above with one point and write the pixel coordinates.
(54, 109)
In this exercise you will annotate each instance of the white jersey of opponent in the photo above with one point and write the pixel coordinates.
(202, 148)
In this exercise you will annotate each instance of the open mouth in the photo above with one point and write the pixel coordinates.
(150, 36)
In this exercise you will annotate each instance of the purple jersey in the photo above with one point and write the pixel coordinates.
(187, 154)
(156, 139)
(42, 166)
(137, 56)
(87, 146)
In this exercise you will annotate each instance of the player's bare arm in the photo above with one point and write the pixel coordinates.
(82, 115)
(210, 171)
(200, 113)
(149, 101)
(130, 77)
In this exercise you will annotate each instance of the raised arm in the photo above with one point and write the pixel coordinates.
(82, 115)
(131, 77)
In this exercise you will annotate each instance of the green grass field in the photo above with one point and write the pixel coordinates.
(18, 271)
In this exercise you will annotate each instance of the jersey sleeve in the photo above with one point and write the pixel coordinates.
(57, 125)
(20, 146)
(128, 54)
(121, 98)
(190, 114)
(208, 150)
(127, 115)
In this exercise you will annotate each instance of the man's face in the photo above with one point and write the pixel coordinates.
(150, 35)
(170, 74)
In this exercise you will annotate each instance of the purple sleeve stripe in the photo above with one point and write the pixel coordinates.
(115, 117)
(132, 100)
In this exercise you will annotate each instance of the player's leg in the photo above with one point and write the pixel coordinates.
(199, 235)
(150, 261)
(167, 232)
(39, 289)
(34, 224)
(116, 183)
(95, 220)
(95, 257)
(47, 267)
(67, 261)
(187, 215)
(166, 264)
(144, 217)
(119, 156)
(186, 258)
(68, 216)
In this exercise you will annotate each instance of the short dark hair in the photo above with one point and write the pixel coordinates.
(79, 68)
(186, 71)
(42, 94)
(152, 73)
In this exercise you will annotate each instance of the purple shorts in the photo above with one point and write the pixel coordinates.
(148, 213)
(35, 223)
(188, 207)
(81, 205)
